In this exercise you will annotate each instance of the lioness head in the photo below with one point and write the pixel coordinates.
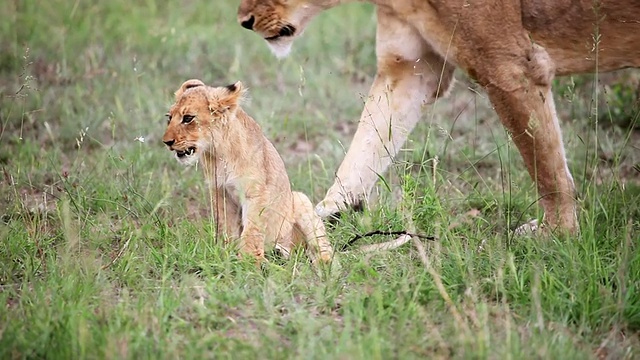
(279, 22)
(198, 117)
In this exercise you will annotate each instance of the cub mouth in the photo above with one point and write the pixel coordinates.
(188, 152)
(285, 31)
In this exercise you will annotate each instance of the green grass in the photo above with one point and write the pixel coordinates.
(107, 248)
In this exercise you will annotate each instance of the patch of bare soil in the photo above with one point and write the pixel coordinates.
(27, 200)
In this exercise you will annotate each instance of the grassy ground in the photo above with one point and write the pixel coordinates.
(107, 247)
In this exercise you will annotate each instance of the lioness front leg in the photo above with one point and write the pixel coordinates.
(410, 74)
(520, 90)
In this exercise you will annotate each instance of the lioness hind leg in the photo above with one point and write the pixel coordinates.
(520, 90)
(310, 229)
(410, 74)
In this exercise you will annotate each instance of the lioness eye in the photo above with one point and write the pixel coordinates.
(187, 119)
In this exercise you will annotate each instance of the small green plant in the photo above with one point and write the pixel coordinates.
(623, 104)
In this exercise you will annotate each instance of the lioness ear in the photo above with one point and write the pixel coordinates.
(188, 85)
(234, 95)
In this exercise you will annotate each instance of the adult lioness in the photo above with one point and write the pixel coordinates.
(512, 48)
(249, 186)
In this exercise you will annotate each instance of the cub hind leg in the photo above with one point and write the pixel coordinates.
(309, 230)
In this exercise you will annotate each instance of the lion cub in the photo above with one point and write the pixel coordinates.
(250, 190)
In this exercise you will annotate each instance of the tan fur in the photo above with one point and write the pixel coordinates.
(512, 48)
(250, 190)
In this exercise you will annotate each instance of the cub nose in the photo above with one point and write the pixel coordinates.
(248, 23)
(168, 142)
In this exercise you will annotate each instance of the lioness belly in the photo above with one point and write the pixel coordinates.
(582, 37)
(579, 36)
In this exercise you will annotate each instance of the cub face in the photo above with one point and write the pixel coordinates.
(279, 22)
(198, 116)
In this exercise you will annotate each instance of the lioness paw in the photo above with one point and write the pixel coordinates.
(334, 204)
(533, 227)
(327, 208)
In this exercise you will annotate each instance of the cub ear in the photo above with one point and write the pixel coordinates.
(188, 85)
(234, 95)
(235, 87)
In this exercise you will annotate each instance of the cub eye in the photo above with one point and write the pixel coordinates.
(168, 118)
(187, 119)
